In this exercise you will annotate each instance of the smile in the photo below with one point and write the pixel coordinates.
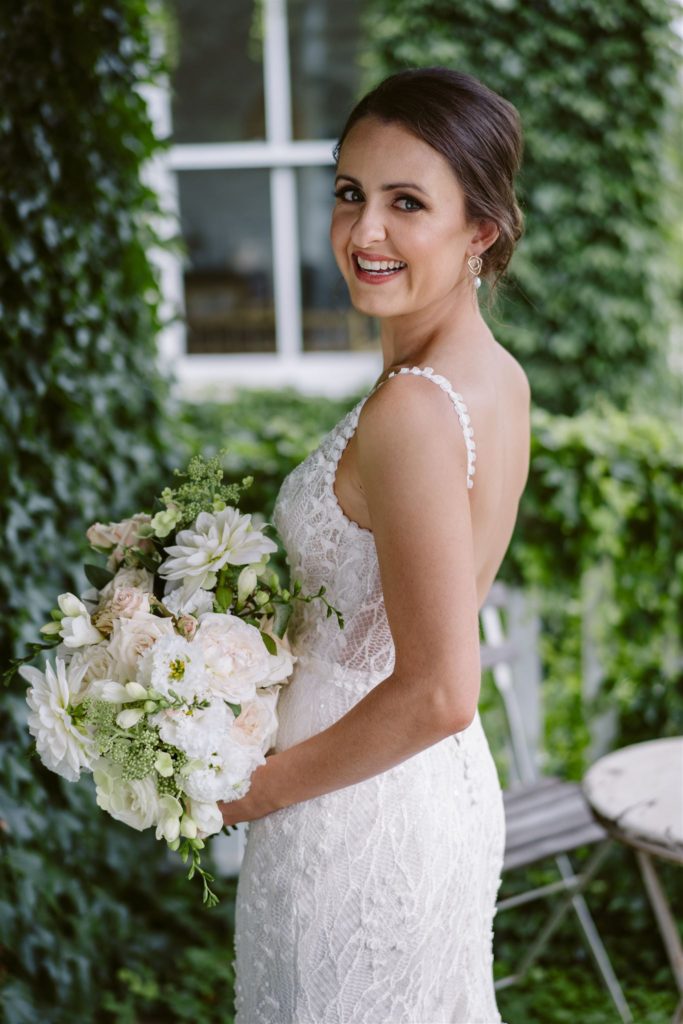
(378, 270)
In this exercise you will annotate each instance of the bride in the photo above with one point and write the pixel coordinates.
(373, 859)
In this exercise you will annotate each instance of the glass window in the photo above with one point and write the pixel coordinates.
(324, 46)
(225, 221)
(218, 78)
(329, 320)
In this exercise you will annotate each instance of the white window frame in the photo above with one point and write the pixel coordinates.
(333, 373)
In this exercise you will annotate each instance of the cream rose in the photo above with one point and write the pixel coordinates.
(256, 725)
(126, 602)
(137, 579)
(131, 638)
(236, 657)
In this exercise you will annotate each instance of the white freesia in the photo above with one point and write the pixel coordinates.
(174, 663)
(256, 725)
(247, 582)
(76, 628)
(236, 657)
(131, 638)
(135, 802)
(170, 813)
(128, 718)
(206, 816)
(216, 539)
(62, 745)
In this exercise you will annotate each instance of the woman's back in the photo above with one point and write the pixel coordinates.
(497, 395)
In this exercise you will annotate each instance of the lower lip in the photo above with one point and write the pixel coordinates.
(375, 278)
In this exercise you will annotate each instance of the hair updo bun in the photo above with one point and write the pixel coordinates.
(477, 131)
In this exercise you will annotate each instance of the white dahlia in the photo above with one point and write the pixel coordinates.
(63, 746)
(216, 539)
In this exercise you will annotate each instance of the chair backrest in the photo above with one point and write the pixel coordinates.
(519, 690)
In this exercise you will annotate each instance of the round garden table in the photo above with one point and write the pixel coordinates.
(636, 793)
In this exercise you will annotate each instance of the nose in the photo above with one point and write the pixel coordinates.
(368, 227)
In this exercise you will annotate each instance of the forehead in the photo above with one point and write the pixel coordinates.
(375, 150)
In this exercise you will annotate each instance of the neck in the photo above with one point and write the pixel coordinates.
(418, 336)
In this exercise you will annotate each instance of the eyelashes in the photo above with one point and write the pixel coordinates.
(415, 204)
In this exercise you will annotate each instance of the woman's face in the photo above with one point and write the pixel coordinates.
(398, 229)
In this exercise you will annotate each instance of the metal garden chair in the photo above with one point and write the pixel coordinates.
(545, 816)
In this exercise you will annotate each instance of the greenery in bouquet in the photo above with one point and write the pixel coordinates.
(167, 671)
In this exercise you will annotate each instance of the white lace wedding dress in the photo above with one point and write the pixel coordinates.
(372, 904)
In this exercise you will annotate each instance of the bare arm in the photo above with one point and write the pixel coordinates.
(412, 464)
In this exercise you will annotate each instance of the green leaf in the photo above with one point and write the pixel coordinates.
(271, 646)
(97, 575)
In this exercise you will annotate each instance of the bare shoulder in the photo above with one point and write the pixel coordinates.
(403, 416)
(516, 374)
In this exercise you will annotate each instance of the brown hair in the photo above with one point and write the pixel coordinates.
(476, 130)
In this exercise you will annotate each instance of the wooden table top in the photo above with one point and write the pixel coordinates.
(637, 794)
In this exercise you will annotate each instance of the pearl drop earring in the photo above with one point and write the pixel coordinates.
(475, 263)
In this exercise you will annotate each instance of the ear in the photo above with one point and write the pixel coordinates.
(486, 234)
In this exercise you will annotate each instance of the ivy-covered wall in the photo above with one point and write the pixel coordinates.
(597, 281)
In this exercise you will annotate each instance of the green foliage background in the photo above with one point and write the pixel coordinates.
(597, 281)
(97, 923)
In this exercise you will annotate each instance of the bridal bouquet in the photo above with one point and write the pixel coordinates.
(167, 673)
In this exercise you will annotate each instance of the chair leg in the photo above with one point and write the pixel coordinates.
(600, 957)
(575, 886)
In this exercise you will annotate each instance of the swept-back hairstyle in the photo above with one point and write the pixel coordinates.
(477, 131)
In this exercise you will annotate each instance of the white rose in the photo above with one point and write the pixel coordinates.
(131, 638)
(63, 747)
(206, 817)
(76, 628)
(89, 664)
(136, 802)
(256, 725)
(236, 656)
(139, 579)
(280, 665)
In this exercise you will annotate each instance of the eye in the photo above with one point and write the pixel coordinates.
(412, 204)
(348, 194)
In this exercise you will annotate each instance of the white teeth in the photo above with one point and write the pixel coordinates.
(380, 264)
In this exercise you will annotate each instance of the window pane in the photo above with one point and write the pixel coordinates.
(218, 80)
(225, 219)
(329, 319)
(324, 47)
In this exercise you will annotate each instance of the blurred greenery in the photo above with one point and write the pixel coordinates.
(596, 283)
(97, 922)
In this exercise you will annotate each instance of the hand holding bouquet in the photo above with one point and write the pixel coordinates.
(167, 672)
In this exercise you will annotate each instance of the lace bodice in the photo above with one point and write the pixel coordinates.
(324, 546)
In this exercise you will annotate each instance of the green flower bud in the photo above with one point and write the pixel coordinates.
(188, 827)
(261, 598)
(164, 764)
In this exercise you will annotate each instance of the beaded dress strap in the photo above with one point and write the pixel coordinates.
(460, 408)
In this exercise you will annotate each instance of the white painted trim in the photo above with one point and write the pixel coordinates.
(283, 196)
(286, 261)
(314, 373)
(277, 89)
(201, 156)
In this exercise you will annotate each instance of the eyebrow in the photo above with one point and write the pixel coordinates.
(385, 188)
